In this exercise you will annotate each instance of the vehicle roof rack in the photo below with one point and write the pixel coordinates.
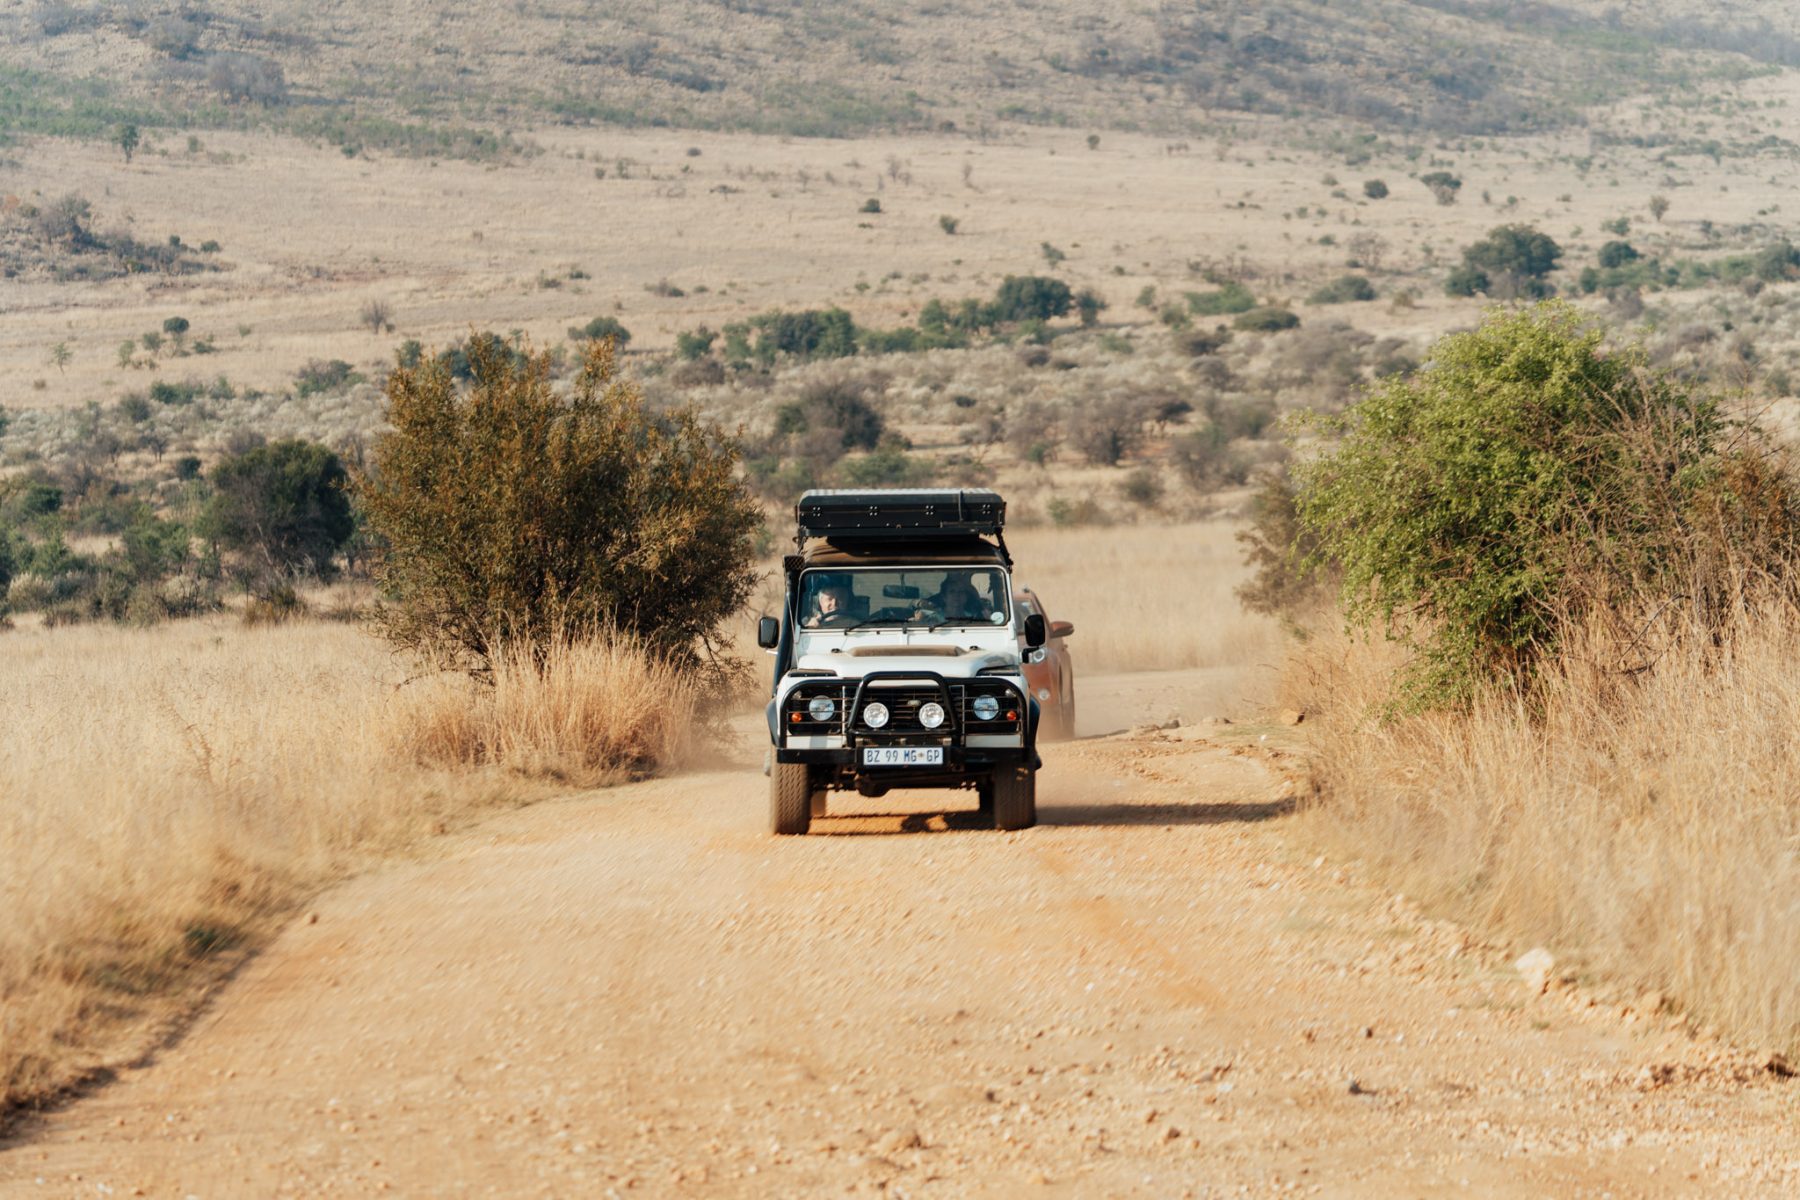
(862, 515)
(866, 513)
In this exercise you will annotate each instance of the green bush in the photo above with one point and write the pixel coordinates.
(1231, 297)
(1617, 254)
(321, 377)
(1089, 304)
(1027, 297)
(600, 327)
(1443, 185)
(871, 205)
(282, 508)
(1375, 189)
(1268, 319)
(513, 512)
(1344, 289)
(695, 344)
(1528, 478)
(1776, 263)
(1511, 260)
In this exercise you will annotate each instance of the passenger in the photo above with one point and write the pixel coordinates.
(958, 600)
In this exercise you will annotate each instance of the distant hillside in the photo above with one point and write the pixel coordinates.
(441, 78)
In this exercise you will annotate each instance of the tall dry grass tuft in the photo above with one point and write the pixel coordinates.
(167, 794)
(587, 712)
(1644, 823)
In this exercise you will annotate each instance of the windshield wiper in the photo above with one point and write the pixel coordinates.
(875, 621)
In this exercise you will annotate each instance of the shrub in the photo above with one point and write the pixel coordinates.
(1266, 320)
(600, 327)
(805, 335)
(1106, 431)
(1617, 254)
(1142, 487)
(1197, 343)
(282, 507)
(175, 327)
(1344, 289)
(377, 316)
(515, 513)
(319, 376)
(1528, 479)
(1443, 185)
(1375, 189)
(247, 78)
(948, 224)
(1088, 306)
(889, 465)
(187, 467)
(1777, 262)
(1232, 297)
(871, 205)
(1511, 260)
(691, 345)
(1025, 297)
(839, 406)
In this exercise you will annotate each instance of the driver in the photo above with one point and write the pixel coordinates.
(834, 607)
(958, 600)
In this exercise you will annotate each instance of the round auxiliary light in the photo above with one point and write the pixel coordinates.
(931, 715)
(821, 708)
(875, 714)
(986, 707)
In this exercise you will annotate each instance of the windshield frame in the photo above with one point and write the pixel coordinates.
(873, 620)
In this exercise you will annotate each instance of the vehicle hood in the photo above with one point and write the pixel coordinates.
(950, 661)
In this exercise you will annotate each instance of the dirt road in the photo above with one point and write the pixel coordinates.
(1154, 993)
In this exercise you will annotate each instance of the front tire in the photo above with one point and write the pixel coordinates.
(790, 798)
(1015, 798)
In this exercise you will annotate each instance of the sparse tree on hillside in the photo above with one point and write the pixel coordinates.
(128, 139)
(377, 316)
(1443, 185)
(60, 354)
(1659, 205)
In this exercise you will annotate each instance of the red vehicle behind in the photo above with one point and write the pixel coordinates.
(1052, 676)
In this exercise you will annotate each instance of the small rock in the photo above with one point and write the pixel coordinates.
(897, 1140)
(1368, 1031)
(1170, 1133)
(1293, 716)
(1776, 1063)
(1534, 967)
(1357, 1089)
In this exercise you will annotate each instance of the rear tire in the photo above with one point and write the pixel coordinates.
(1015, 798)
(790, 798)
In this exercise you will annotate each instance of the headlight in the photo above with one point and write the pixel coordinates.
(821, 708)
(931, 715)
(875, 714)
(986, 707)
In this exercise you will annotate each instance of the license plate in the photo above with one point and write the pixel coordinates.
(903, 756)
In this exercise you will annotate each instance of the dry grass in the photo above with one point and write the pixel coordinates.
(1645, 828)
(166, 794)
(1147, 597)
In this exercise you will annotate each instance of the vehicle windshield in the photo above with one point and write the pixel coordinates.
(903, 596)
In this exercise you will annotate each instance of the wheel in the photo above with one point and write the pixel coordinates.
(984, 791)
(1015, 798)
(790, 798)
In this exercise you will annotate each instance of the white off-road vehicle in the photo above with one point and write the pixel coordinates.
(898, 656)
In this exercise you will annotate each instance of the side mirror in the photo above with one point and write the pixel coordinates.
(1034, 630)
(768, 633)
(1061, 629)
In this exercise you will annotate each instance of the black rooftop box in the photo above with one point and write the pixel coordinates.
(866, 514)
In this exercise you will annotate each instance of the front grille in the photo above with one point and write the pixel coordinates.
(903, 701)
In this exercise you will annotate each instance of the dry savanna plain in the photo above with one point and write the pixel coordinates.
(284, 911)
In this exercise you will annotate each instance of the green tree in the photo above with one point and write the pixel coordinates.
(282, 507)
(1089, 304)
(511, 512)
(128, 139)
(1526, 478)
(696, 344)
(1375, 189)
(1024, 297)
(1443, 185)
(1511, 260)
(600, 327)
(60, 354)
